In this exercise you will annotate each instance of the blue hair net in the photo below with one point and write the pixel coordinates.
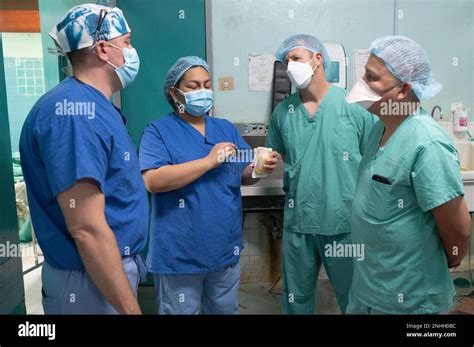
(308, 42)
(177, 71)
(407, 61)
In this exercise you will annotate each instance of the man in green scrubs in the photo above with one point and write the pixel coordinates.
(408, 211)
(321, 138)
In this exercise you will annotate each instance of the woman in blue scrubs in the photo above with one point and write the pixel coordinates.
(194, 165)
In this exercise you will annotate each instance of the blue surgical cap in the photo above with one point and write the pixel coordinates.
(77, 29)
(177, 71)
(308, 42)
(407, 61)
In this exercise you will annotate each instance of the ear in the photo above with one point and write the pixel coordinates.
(101, 51)
(173, 93)
(176, 95)
(318, 59)
(405, 91)
(177, 100)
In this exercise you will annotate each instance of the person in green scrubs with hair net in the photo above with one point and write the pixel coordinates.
(321, 138)
(408, 211)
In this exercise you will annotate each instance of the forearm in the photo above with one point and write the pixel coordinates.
(454, 228)
(101, 258)
(172, 177)
(455, 242)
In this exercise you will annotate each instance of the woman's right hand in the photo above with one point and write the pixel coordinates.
(220, 153)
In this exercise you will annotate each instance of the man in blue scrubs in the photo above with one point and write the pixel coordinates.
(87, 199)
(194, 165)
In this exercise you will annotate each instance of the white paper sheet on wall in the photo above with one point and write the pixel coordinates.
(360, 59)
(261, 72)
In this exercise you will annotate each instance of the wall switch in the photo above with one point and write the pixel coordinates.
(226, 84)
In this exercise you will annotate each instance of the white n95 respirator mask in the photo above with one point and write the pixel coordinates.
(362, 94)
(300, 74)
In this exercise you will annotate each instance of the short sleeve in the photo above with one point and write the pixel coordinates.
(71, 149)
(153, 153)
(436, 175)
(274, 139)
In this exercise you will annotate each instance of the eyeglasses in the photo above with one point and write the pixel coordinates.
(102, 14)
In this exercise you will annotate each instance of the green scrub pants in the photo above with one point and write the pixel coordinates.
(303, 255)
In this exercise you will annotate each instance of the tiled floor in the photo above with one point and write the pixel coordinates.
(254, 298)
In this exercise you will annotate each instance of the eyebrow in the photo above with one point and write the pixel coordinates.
(372, 72)
(196, 81)
(295, 55)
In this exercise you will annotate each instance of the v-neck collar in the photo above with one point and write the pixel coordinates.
(395, 133)
(206, 138)
(321, 106)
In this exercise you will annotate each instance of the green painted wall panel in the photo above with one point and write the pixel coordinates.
(162, 31)
(12, 294)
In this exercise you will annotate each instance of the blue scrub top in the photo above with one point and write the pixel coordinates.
(74, 132)
(197, 228)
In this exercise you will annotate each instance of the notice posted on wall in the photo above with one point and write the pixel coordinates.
(261, 72)
(360, 59)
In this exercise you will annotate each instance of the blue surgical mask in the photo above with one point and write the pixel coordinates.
(129, 70)
(197, 103)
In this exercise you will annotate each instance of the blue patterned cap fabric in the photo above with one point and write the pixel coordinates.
(76, 30)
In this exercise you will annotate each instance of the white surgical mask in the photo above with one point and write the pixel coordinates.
(300, 74)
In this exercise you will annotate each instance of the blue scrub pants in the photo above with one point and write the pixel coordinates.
(73, 292)
(212, 292)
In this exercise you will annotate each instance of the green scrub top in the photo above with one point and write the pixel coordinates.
(405, 268)
(322, 155)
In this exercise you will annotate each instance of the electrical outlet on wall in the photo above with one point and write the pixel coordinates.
(226, 84)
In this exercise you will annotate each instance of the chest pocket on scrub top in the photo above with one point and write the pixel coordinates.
(386, 201)
(378, 199)
(345, 140)
(344, 147)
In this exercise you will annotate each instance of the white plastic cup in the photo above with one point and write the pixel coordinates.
(261, 155)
